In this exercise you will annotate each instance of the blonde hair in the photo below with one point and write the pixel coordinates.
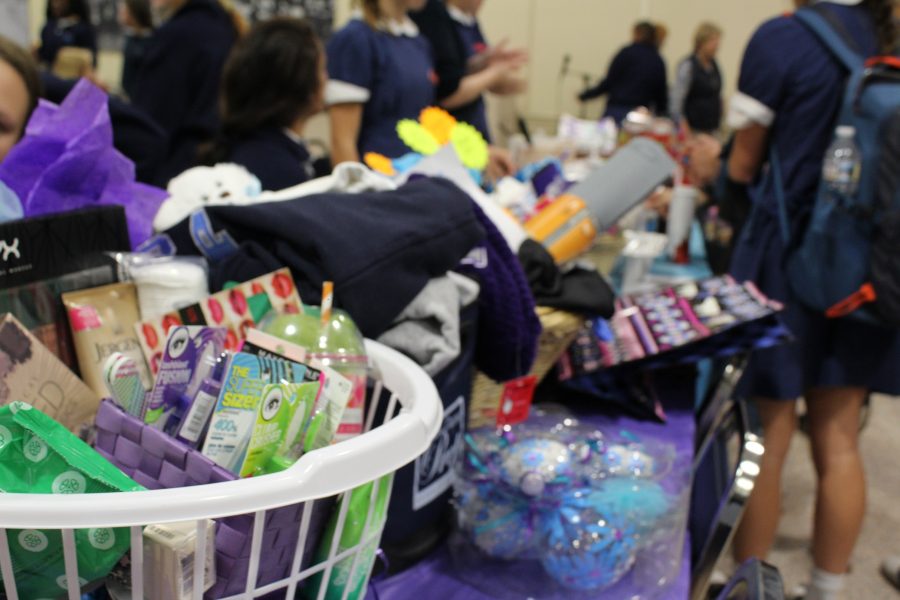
(371, 11)
(240, 24)
(705, 32)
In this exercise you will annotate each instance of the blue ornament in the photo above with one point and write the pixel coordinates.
(583, 548)
(500, 526)
(639, 501)
(631, 460)
(531, 464)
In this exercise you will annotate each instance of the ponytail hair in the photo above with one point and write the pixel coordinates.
(240, 24)
(371, 11)
(883, 16)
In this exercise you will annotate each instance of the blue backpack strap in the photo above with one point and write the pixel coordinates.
(833, 36)
(778, 185)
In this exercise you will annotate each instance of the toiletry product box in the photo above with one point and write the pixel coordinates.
(31, 373)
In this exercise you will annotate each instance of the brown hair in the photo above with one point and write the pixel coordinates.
(883, 15)
(270, 79)
(371, 11)
(140, 12)
(705, 32)
(23, 64)
(645, 32)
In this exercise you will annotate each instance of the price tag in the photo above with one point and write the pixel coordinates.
(515, 403)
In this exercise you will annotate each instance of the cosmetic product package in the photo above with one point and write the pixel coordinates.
(32, 374)
(189, 359)
(102, 321)
(235, 414)
(236, 310)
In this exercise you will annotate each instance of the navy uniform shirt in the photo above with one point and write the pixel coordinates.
(279, 159)
(455, 38)
(390, 71)
(636, 77)
(178, 83)
(60, 33)
(790, 83)
(474, 113)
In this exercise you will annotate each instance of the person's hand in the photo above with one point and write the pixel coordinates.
(703, 153)
(500, 164)
(510, 85)
(501, 53)
(659, 201)
(91, 75)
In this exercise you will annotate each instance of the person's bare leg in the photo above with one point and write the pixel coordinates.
(834, 415)
(756, 533)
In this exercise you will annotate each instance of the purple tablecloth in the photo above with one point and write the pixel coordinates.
(436, 577)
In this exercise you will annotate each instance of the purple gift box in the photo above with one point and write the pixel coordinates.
(156, 461)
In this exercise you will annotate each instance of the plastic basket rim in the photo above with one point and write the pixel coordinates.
(316, 475)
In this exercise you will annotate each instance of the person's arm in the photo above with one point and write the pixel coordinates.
(509, 85)
(352, 75)
(683, 78)
(748, 153)
(346, 120)
(474, 85)
(616, 68)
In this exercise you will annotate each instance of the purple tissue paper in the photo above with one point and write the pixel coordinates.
(66, 160)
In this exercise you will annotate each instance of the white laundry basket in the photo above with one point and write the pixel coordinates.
(324, 473)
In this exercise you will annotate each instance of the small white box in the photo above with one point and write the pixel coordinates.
(169, 550)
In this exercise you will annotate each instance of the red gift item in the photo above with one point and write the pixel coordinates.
(515, 403)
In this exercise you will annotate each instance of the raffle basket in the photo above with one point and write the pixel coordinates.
(266, 526)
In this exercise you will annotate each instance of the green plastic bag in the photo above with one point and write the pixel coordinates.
(351, 535)
(40, 456)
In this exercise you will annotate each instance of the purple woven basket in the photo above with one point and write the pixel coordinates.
(156, 460)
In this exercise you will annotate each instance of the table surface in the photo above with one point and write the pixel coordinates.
(437, 574)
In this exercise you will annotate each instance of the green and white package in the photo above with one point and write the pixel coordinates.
(40, 456)
(281, 421)
(351, 535)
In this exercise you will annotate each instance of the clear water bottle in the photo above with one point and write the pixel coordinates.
(842, 162)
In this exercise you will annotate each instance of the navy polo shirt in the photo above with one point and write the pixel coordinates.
(390, 73)
(277, 159)
(474, 113)
(792, 84)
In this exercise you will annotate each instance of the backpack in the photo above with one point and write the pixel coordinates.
(847, 260)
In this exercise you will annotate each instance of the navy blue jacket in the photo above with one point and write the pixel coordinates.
(379, 248)
(636, 77)
(277, 161)
(178, 83)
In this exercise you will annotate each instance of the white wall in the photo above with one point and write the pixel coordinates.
(592, 31)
